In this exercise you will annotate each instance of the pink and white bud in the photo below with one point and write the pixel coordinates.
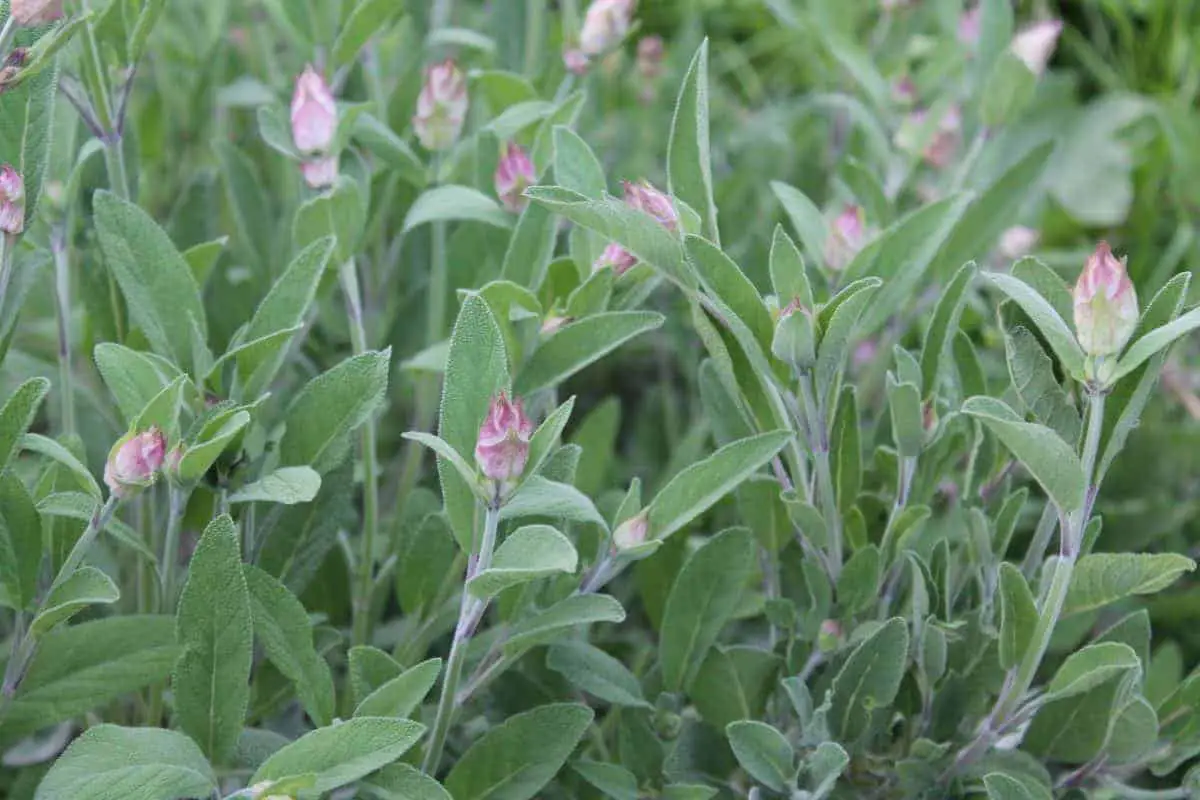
(632, 532)
(134, 461)
(554, 323)
(847, 235)
(969, 26)
(940, 148)
(1106, 305)
(575, 61)
(605, 25)
(645, 198)
(1017, 242)
(314, 113)
(829, 636)
(617, 257)
(36, 12)
(12, 201)
(320, 173)
(503, 444)
(514, 174)
(1035, 45)
(441, 106)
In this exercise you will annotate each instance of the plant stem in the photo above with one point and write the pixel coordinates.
(1040, 541)
(470, 613)
(534, 16)
(62, 307)
(177, 500)
(366, 559)
(7, 34)
(818, 440)
(8, 247)
(114, 156)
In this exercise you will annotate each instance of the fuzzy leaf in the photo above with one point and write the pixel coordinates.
(1103, 578)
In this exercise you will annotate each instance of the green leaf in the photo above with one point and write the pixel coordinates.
(597, 673)
(1134, 732)
(342, 753)
(36, 443)
(697, 488)
(201, 259)
(1050, 460)
(134, 378)
(369, 668)
(1103, 578)
(563, 617)
(17, 415)
(1154, 341)
(1032, 374)
(444, 451)
(1005, 787)
(612, 780)
(805, 217)
(789, 276)
(704, 597)
(402, 694)
(160, 292)
(108, 762)
(531, 247)
(214, 626)
(540, 497)
(689, 165)
(286, 486)
(858, 584)
(868, 682)
(724, 279)
(81, 667)
(275, 130)
(1091, 666)
(546, 437)
(907, 415)
(389, 148)
(86, 586)
(515, 759)
(935, 351)
(331, 406)
(476, 369)
(764, 753)
(579, 344)
(455, 204)
(282, 627)
(529, 553)
(340, 212)
(1018, 616)
(1060, 337)
(20, 542)
(403, 782)
(249, 204)
(27, 125)
(838, 327)
(368, 18)
(825, 766)
(575, 165)
(204, 453)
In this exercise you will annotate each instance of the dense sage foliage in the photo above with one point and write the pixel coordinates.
(543, 399)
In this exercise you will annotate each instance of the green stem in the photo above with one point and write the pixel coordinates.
(818, 440)
(177, 500)
(366, 559)
(470, 613)
(7, 34)
(535, 11)
(8, 247)
(62, 307)
(1040, 541)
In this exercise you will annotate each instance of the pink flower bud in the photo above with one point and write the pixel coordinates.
(134, 461)
(575, 61)
(314, 113)
(617, 257)
(12, 201)
(968, 26)
(1018, 241)
(939, 149)
(1106, 306)
(847, 235)
(864, 353)
(514, 173)
(1035, 44)
(650, 51)
(320, 173)
(644, 197)
(632, 532)
(829, 636)
(605, 25)
(503, 444)
(904, 91)
(36, 12)
(441, 106)
(553, 323)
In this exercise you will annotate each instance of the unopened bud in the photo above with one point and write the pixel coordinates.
(1106, 306)
(502, 448)
(1035, 44)
(441, 106)
(847, 235)
(650, 52)
(320, 173)
(553, 323)
(514, 174)
(644, 197)
(617, 257)
(632, 532)
(314, 114)
(12, 201)
(1018, 241)
(795, 336)
(134, 462)
(575, 61)
(171, 462)
(36, 12)
(605, 26)
(904, 91)
(829, 637)
(969, 26)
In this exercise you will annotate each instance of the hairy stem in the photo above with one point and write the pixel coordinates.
(177, 500)
(818, 440)
(62, 308)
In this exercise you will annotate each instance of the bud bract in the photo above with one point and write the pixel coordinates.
(320, 173)
(632, 532)
(847, 235)
(1035, 44)
(503, 444)
(12, 201)
(36, 12)
(134, 461)
(644, 197)
(605, 25)
(441, 106)
(617, 257)
(514, 173)
(1106, 306)
(314, 113)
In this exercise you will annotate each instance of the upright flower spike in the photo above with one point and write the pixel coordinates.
(12, 201)
(605, 26)
(36, 12)
(1106, 305)
(514, 174)
(847, 235)
(314, 128)
(1035, 45)
(134, 462)
(441, 106)
(502, 448)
